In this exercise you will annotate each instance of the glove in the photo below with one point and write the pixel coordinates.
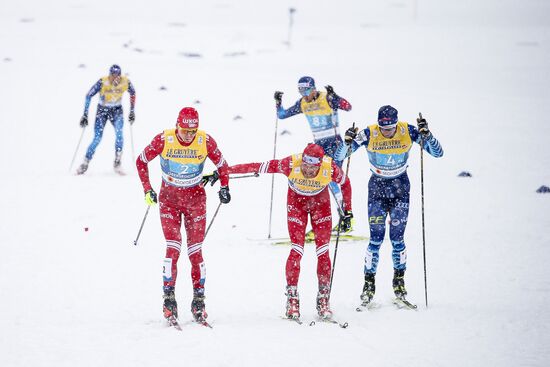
(423, 127)
(278, 98)
(350, 134)
(347, 222)
(131, 117)
(212, 178)
(225, 196)
(84, 121)
(151, 197)
(330, 91)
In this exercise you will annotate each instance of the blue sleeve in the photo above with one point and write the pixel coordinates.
(93, 91)
(131, 89)
(343, 149)
(431, 144)
(294, 110)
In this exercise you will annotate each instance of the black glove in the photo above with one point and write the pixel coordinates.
(131, 117)
(278, 98)
(423, 127)
(346, 221)
(330, 91)
(225, 196)
(212, 178)
(351, 133)
(84, 121)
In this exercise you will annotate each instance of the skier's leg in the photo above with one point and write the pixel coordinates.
(99, 126)
(195, 224)
(170, 219)
(377, 216)
(118, 123)
(296, 222)
(399, 213)
(321, 222)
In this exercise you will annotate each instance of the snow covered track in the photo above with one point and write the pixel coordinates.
(75, 292)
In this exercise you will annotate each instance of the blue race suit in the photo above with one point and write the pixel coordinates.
(108, 108)
(322, 116)
(389, 187)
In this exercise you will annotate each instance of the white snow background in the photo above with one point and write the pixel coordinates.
(479, 72)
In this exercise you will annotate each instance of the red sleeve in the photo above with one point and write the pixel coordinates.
(149, 153)
(217, 158)
(273, 166)
(344, 104)
(340, 178)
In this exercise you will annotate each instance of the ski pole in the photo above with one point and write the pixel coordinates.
(77, 146)
(422, 199)
(212, 220)
(132, 143)
(339, 227)
(290, 23)
(273, 177)
(142, 223)
(245, 176)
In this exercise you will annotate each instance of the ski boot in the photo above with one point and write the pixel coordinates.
(83, 167)
(116, 163)
(399, 284)
(310, 236)
(323, 306)
(197, 305)
(292, 302)
(368, 290)
(344, 230)
(170, 307)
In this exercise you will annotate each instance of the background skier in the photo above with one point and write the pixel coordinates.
(110, 89)
(321, 111)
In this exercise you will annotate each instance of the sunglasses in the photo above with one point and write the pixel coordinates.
(305, 91)
(187, 131)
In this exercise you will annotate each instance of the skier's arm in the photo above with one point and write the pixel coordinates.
(216, 157)
(336, 102)
(431, 144)
(273, 166)
(149, 153)
(132, 92)
(343, 151)
(92, 92)
(339, 176)
(294, 110)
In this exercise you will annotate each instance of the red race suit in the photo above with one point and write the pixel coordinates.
(182, 197)
(306, 196)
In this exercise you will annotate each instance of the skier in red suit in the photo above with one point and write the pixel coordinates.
(183, 152)
(309, 174)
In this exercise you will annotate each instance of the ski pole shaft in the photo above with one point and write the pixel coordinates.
(132, 143)
(245, 176)
(141, 227)
(273, 177)
(212, 220)
(339, 227)
(423, 225)
(76, 150)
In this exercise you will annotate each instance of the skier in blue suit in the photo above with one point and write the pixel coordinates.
(388, 144)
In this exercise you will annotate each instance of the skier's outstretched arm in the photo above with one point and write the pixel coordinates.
(216, 156)
(92, 92)
(272, 166)
(339, 176)
(431, 144)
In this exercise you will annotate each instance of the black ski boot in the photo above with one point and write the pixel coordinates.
(368, 290)
(170, 307)
(399, 283)
(197, 305)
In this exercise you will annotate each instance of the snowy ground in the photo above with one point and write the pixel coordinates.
(477, 70)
